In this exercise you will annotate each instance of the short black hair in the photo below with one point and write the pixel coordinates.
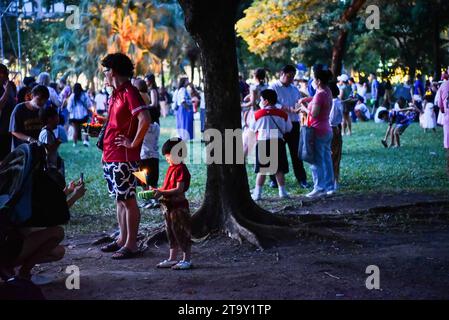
(270, 95)
(324, 75)
(47, 113)
(40, 91)
(168, 146)
(3, 69)
(29, 81)
(260, 73)
(361, 99)
(288, 69)
(382, 114)
(120, 63)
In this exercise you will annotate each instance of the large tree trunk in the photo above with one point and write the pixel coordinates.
(339, 49)
(227, 205)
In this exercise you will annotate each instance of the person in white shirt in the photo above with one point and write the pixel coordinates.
(361, 110)
(101, 102)
(288, 97)
(149, 156)
(79, 106)
(378, 111)
(270, 125)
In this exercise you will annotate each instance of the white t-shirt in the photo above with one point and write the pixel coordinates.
(203, 101)
(270, 123)
(376, 116)
(150, 143)
(336, 114)
(47, 137)
(54, 97)
(79, 110)
(363, 109)
(287, 96)
(101, 102)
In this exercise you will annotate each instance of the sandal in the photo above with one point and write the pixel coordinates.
(111, 247)
(182, 265)
(166, 264)
(125, 253)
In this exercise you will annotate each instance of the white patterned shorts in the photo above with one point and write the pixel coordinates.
(121, 181)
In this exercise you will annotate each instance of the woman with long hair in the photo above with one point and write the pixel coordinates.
(78, 106)
(184, 111)
(153, 92)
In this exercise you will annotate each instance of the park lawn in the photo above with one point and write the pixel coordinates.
(419, 166)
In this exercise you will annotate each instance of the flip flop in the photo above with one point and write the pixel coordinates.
(111, 247)
(124, 253)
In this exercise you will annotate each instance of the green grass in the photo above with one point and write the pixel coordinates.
(419, 165)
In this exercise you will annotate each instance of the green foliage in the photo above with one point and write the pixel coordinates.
(419, 165)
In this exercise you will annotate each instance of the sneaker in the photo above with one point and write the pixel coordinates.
(256, 197)
(166, 264)
(74, 145)
(330, 192)
(304, 185)
(86, 143)
(284, 195)
(314, 194)
(384, 143)
(182, 265)
(273, 184)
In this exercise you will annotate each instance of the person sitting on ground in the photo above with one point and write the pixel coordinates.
(175, 205)
(361, 110)
(40, 245)
(383, 107)
(270, 125)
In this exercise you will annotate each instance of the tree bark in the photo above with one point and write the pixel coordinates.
(339, 49)
(227, 205)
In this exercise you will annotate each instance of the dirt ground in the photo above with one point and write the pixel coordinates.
(405, 235)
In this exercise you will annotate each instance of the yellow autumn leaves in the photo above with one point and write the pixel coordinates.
(269, 21)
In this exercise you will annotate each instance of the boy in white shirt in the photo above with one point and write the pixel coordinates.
(270, 124)
(361, 110)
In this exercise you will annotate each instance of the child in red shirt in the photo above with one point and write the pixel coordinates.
(175, 206)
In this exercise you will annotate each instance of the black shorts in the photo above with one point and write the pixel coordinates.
(348, 107)
(268, 162)
(152, 166)
(79, 121)
(121, 181)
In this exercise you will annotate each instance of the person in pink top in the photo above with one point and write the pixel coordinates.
(443, 104)
(318, 110)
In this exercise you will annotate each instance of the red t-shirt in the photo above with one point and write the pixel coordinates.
(124, 105)
(176, 173)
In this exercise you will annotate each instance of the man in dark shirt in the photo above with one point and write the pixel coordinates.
(25, 124)
(7, 103)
